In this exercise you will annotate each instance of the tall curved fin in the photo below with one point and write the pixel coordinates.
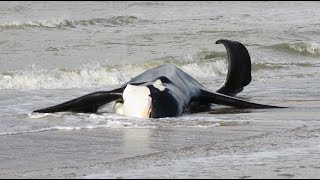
(239, 67)
(89, 103)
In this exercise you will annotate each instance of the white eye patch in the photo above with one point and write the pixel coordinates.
(136, 102)
(158, 84)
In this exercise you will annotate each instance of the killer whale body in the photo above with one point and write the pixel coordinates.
(181, 93)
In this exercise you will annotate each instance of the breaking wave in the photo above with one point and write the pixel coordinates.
(68, 23)
(50, 23)
(99, 76)
(306, 48)
(202, 66)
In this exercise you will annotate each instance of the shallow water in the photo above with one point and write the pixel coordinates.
(52, 52)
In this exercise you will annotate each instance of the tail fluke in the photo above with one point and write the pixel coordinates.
(89, 103)
(239, 67)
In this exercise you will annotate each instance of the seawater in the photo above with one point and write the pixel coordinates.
(52, 52)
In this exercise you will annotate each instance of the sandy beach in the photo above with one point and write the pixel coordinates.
(234, 149)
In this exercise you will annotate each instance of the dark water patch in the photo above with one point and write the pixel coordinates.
(111, 22)
(258, 65)
(245, 177)
(18, 8)
(229, 111)
(286, 175)
(207, 55)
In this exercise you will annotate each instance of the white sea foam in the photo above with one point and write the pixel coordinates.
(95, 77)
(46, 23)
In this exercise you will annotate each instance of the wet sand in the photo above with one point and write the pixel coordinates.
(233, 150)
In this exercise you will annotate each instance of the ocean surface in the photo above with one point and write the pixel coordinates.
(51, 52)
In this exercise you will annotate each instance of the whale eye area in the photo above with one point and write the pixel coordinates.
(163, 103)
(158, 84)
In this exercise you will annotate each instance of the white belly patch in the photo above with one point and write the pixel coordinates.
(136, 102)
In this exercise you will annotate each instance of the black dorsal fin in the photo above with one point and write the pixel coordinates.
(239, 67)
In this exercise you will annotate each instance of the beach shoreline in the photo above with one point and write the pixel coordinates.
(90, 153)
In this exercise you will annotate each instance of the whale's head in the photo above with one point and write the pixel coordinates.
(152, 101)
(136, 102)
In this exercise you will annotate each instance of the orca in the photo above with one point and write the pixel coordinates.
(167, 91)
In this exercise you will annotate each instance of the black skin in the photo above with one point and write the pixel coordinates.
(182, 94)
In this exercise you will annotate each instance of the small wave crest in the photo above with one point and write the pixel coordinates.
(107, 121)
(112, 21)
(306, 48)
(67, 22)
(109, 124)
